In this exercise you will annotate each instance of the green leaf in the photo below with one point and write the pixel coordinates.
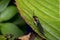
(10, 28)
(19, 21)
(3, 4)
(2, 37)
(47, 12)
(8, 13)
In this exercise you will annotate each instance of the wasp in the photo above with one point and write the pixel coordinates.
(38, 24)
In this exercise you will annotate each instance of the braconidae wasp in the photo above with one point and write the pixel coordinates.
(38, 24)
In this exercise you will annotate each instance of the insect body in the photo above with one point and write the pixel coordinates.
(37, 23)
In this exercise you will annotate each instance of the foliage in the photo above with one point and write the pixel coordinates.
(46, 11)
